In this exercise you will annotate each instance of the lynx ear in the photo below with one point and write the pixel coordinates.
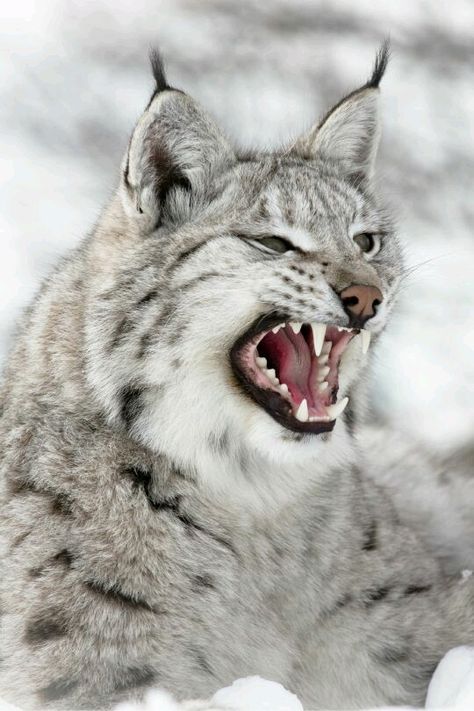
(174, 151)
(350, 132)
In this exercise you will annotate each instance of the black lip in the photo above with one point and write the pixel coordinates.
(268, 399)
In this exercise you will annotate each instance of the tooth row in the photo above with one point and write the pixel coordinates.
(319, 334)
(333, 411)
(271, 374)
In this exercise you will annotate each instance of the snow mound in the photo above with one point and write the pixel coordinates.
(452, 688)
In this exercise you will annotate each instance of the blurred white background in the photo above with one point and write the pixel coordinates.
(74, 77)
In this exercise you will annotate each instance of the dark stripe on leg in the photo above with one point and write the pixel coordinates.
(58, 689)
(113, 594)
(47, 626)
(136, 678)
(130, 404)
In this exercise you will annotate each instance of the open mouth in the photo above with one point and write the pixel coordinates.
(292, 370)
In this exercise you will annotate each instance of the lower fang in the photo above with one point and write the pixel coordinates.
(335, 410)
(302, 411)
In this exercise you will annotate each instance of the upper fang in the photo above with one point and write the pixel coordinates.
(319, 332)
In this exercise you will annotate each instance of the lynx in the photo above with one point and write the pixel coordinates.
(184, 500)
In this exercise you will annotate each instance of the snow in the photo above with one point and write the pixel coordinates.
(452, 688)
(74, 77)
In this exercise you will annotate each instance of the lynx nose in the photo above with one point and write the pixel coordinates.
(360, 302)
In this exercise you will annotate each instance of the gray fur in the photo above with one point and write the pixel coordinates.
(158, 527)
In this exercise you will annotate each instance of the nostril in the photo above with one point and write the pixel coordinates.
(375, 303)
(350, 301)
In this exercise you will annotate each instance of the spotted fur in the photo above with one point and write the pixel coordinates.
(158, 527)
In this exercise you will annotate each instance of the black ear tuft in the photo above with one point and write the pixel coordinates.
(381, 61)
(158, 70)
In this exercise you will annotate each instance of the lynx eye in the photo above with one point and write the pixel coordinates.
(368, 243)
(276, 244)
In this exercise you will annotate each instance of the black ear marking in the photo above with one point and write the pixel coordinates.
(168, 174)
(158, 69)
(380, 65)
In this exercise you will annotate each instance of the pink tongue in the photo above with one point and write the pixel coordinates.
(290, 354)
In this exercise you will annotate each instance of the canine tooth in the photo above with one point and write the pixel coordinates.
(296, 326)
(319, 331)
(302, 411)
(336, 409)
(323, 386)
(323, 358)
(322, 373)
(261, 362)
(365, 336)
(277, 328)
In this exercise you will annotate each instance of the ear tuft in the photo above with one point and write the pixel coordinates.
(158, 69)
(381, 61)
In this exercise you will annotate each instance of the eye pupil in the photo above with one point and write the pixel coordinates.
(276, 244)
(365, 241)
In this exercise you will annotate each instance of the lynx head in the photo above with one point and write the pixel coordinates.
(238, 294)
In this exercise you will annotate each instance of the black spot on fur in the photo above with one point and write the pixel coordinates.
(188, 252)
(136, 678)
(130, 404)
(145, 343)
(417, 589)
(47, 626)
(203, 581)
(19, 540)
(58, 689)
(61, 505)
(113, 594)
(123, 327)
(339, 605)
(21, 485)
(153, 294)
(63, 558)
(392, 655)
(202, 663)
(376, 595)
(370, 537)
